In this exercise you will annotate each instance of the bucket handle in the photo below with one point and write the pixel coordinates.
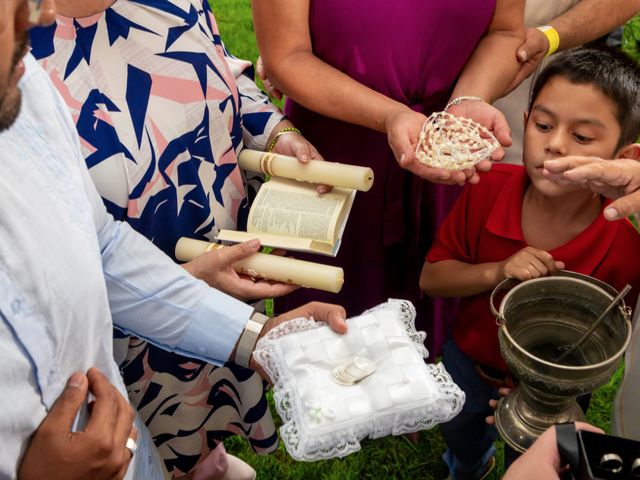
(509, 283)
(505, 284)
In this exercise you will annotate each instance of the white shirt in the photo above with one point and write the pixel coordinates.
(68, 272)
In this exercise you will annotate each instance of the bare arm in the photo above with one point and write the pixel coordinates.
(453, 278)
(493, 64)
(601, 17)
(293, 68)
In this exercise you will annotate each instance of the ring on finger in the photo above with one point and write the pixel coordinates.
(131, 445)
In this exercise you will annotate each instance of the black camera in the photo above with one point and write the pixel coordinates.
(595, 456)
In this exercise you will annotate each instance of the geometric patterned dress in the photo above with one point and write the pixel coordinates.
(162, 111)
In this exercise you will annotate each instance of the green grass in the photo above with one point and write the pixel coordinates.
(391, 457)
(236, 27)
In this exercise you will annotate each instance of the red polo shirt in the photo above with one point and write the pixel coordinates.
(485, 226)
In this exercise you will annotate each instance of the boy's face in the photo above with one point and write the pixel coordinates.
(567, 119)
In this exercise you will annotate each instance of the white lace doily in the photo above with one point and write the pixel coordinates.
(324, 418)
(454, 143)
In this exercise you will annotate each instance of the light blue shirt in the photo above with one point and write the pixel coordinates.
(69, 272)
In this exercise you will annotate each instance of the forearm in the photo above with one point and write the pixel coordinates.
(318, 86)
(293, 68)
(452, 278)
(602, 16)
(491, 68)
(493, 64)
(152, 297)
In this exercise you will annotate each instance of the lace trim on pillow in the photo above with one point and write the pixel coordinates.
(343, 440)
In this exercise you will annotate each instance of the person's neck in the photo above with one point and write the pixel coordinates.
(549, 222)
(570, 208)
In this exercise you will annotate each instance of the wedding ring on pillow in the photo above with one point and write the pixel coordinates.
(353, 371)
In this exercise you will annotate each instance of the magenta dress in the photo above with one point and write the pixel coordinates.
(411, 51)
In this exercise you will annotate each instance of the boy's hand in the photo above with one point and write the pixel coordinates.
(529, 263)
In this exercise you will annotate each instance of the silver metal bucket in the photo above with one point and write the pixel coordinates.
(537, 319)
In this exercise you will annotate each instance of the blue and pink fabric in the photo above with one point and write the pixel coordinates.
(162, 111)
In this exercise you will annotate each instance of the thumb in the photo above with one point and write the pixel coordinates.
(64, 411)
(337, 321)
(501, 129)
(560, 265)
(402, 149)
(332, 315)
(260, 69)
(302, 151)
(235, 253)
(522, 54)
(623, 207)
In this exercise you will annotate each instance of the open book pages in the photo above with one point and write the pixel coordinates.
(292, 215)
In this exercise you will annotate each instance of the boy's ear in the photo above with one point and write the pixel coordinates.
(631, 151)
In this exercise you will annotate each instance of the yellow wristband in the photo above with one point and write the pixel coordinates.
(279, 134)
(553, 37)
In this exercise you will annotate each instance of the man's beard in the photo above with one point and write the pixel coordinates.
(11, 100)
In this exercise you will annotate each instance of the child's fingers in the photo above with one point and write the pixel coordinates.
(546, 258)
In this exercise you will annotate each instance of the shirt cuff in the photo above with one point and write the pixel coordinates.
(215, 328)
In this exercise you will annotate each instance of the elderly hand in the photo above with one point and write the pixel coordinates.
(403, 131)
(616, 179)
(333, 315)
(55, 452)
(530, 54)
(542, 460)
(216, 269)
(268, 86)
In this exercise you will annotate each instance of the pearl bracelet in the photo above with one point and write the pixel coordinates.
(461, 99)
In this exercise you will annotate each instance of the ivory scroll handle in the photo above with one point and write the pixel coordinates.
(316, 171)
(271, 267)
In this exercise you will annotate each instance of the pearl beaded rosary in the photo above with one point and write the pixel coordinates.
(454, 143)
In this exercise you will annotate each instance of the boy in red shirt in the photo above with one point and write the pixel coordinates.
(516, 223)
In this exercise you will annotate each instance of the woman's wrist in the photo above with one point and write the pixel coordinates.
(463, 98)
(278, 131)
(393, 114)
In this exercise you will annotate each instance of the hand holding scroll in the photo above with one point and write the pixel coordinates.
(216, 269)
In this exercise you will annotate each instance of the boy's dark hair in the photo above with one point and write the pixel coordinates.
(611, 72)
